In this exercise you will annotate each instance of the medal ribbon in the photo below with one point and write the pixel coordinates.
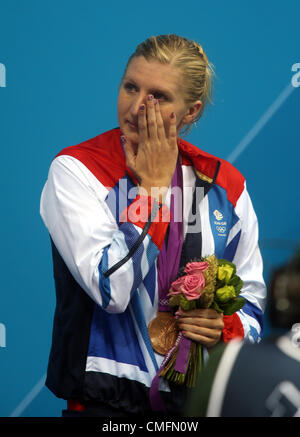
(169, 256)
(167, 266)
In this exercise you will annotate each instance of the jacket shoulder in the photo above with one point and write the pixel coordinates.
(102, 155)
(213, 170)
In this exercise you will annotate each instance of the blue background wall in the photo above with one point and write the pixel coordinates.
(63, 61)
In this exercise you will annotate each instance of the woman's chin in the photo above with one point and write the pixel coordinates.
(132, 135)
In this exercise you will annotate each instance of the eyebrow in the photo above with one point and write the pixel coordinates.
(152, 90)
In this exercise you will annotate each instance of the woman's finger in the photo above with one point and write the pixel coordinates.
(129, 152)
(202, 322)
(209, 333)
(207, 313)
(151, 120)
(205, 341)
(172, 135)
(161, 133)
(142, 125)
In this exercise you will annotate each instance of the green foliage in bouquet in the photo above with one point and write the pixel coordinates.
(228, 287)
(204, 283)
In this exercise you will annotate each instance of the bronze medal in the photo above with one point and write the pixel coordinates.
(163, 332)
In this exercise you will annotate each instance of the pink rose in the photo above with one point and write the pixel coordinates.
(196, 267)
(190, 286)
(177, 286)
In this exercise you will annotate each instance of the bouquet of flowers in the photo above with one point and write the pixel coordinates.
(204, 283)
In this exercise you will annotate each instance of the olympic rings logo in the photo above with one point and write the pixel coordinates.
(221, 229)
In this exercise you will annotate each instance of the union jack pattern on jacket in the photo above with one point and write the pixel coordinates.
(111, 262)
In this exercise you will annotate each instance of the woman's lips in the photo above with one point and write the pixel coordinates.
(133, 126)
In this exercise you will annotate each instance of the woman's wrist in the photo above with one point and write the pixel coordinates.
(158, 191)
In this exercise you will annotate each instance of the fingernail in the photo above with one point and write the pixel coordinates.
(155, 101)
(150, 97)
(173, 115)
(123, 139)
(142, 107)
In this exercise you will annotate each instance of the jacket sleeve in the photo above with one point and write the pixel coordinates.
(108, 260)
(243, 243)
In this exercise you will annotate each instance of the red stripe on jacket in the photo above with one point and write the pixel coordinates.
(233, 328)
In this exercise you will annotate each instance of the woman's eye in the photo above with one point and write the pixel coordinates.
(129, 86)
(159, 96)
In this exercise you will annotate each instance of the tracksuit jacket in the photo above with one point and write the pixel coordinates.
(105, 253)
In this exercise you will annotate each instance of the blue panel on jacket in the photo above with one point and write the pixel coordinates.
(120, 328)
(222, 217)
(121, 196)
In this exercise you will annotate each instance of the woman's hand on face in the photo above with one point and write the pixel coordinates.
(155, 161)
(204, 326)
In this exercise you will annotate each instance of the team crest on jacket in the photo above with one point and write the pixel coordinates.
(221, 225)
(218, 214)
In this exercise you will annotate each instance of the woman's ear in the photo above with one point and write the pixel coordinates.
(192, 112)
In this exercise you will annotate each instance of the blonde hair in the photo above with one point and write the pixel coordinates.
(190, 58)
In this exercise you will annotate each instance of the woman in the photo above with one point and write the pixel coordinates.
(116, 248)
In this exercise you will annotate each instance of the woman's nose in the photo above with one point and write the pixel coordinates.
(139, 99)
